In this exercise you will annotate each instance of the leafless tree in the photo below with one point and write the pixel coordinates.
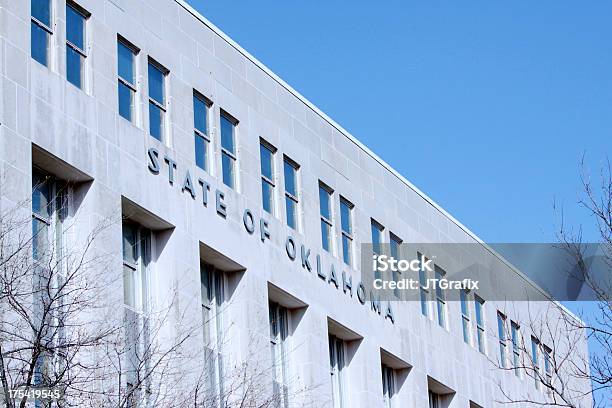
(577, 377)
(59, 330)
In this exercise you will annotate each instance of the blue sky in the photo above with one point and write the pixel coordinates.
(485, 106)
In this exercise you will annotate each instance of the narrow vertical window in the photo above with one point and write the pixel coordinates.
(266, 160)
(228, 150)
(212, 295)
(480, 324)
(126, 79)
(547, 368)
(290, 169)
(535, 360)
(516, 347)
(200, 125)
(423, 283)
(501, 334)
(278, 340)
(325, 194)
(49, 205)
(395, 245)
(76, 19)
(157, 99)
(336, 370)
(346, 222)
(440, 298)
(41, 30)
(465, 314)
(388, 380)
(377, 232)
(136, 267)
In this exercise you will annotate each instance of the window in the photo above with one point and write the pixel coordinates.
(423, 291)
(434, 400)
(388, 380)
(136, 266)
(440, 298)
(336, 369)
(200, 125)
(516, 350)
(501, 334)
(480, 324)
(377, 231)
(212, 294)
(49, 208)
(278, 340)
(41, 30)
(395, 245)
(465, 314)
(547, 367)
(325, 194)
(157, 99)
(266, 158)
(228, 149)
(346, 223)
(126, 75)
(535, 360)
(290, 169)
(137, 270)
(75, 44)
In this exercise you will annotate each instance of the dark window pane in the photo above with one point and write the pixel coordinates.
(41, 10)
(73, 67)
(325, 236)
(290, 172)
(199, 114)
(324, 202)
(346, 249)
(291, 212)
(155, 121)
(41, 200)
(345, 217)
(156, 84)
(227, 134)
(200, 151)
(227, 163)
(266, 194)
(376, 237)
(39, 44)
(265, 156)
(40, 236)
(395, 247)
(75, 27)
(125, 62)
(129, 243)
(125, 101)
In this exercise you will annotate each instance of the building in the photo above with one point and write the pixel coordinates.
(239, 197)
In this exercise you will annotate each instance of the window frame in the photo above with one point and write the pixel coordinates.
(389, 381)
(233, 156)
(265, 180)
(142, 269)
(70, 45)
(395, 242)
(328, 223)
(464, 300)
(347, 234)
(480, 325)
(162, 106)
(440, 297)
(515, 335)
(48, 29)
(198, 133)
(423, 288)
(337, 358)
(501, 334)
(279, 317)
(288, 162)
(535, 360)
(132, 87)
